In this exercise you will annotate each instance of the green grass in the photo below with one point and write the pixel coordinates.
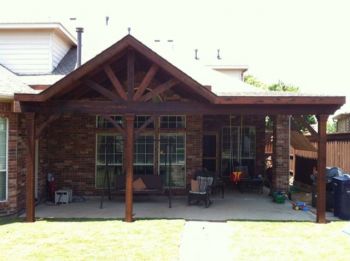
(289, 241)
(87, 239)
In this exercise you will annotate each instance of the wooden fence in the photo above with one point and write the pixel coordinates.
(338, 151)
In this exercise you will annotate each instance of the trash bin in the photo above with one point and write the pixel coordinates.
(329, 196)
(342, 197)
(331, 172)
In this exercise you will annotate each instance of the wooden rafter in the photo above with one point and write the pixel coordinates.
(301, 121)
(115, 81)
(146, 81)
(144, 126)
(159, 89)
(114, 123)
(42, 127)
(102, 90)
(131, 74)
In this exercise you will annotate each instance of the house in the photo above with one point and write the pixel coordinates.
(343, 122)
(121, 111)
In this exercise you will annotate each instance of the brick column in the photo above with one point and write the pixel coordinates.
(281, 136)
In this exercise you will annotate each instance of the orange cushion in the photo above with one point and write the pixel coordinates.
(138, 184)
(194, 185)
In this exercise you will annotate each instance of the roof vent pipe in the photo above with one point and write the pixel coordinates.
(196, 54)
(79, 31)
(218, 55)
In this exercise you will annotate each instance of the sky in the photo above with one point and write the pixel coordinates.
(305, 43)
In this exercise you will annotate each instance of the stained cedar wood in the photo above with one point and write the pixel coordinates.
(43, 126)
(115, 81)
(321, 169)
(114, 123)
(144, 126)
(131, 74)
(102, 90)
(173, 107)
(146, 81)
(128, 162)
(30, 162)
(159, 89)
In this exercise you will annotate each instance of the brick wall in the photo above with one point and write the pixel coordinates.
(194, 133)
(280, 177)
(11, 205)
(68, 151)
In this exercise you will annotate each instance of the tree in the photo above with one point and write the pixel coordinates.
(280, 86)
(331, 126)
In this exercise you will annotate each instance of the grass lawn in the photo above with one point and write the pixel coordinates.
(289, 241)
(87, 239)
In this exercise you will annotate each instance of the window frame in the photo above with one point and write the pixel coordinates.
(183, 134)
(96, 152)
(6, 160)
(134, 164)
(176, 128)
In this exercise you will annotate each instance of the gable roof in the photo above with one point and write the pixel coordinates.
(225, 91)
(10, 84)
(102, 58)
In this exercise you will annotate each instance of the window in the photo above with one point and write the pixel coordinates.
(3, 159)
(104, 124)
(238, 148)
(172, 122)
(172, 153)
(144, 155)
(141, 119)
(109, 159)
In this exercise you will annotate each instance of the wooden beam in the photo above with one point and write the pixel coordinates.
(146, 81)
(144, 126)
(129, 168)
(103, 91)
(283, 100)
(321, 169)
(169, 107)
(114, 123)
(30, 167)
(42, 127)
(131, 74)
(115, 81)
(301, 121)
(159, 89)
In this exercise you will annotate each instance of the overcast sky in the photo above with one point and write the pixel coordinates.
(301, 42)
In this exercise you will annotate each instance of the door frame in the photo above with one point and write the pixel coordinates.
(217, 144)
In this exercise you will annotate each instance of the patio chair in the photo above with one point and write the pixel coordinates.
(200, 190)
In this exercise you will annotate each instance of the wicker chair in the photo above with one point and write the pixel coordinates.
(203, 193)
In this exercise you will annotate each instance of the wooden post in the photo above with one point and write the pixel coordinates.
(30, 165)
(128, 161)
(131, 74)
(321, 169)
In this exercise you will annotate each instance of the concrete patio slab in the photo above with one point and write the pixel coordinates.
(235, 206)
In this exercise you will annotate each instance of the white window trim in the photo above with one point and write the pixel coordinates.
(185, 152)
(154, 150)
(6, 163)
(96, 139)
